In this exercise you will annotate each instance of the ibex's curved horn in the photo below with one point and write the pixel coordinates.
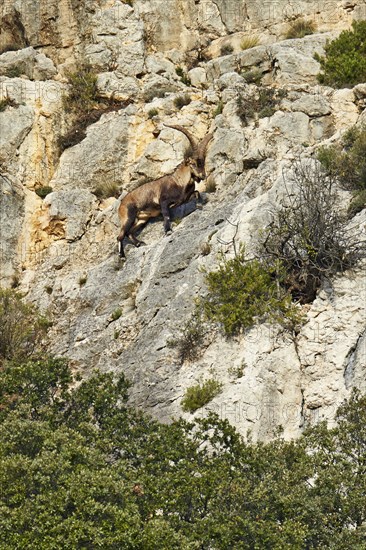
(192, 141)
(201, 149)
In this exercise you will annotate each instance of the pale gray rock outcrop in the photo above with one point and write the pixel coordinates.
(122, 317)
(28, 62)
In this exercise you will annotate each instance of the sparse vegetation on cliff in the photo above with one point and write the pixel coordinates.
(201, 394)
(301, 28)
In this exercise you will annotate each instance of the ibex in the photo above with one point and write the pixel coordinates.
(155, 197)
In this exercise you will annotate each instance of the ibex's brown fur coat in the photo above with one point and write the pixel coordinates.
(155, 197)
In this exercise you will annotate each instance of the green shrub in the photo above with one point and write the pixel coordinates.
(344, 63)
(249, 42)
(301, 28)
(254, 76)
(81, 468)
(83, 93)
(22, 328)
(182, 100)
(346, 160)
(83, 280)
(244, 292)
(43, 191)
(116, 314)
(83, 105)
(199, 395)
(183, 76)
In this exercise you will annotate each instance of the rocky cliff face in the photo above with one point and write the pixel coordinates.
(62, 250)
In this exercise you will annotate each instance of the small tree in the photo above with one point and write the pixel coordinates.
(308, 234)
(22, 329)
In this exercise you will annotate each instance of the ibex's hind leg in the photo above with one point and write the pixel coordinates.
(132, 234)
(127, 217)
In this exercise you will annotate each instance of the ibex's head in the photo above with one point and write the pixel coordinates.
(197, 156)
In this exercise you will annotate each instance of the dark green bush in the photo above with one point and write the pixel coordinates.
(14, 72)
(243, 292)
(6, 102)
(344, 63)
(80, 468)
(183, 76)
(199, 395)
(44, 191)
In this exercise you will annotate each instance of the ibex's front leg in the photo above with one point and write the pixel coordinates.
(166, 215)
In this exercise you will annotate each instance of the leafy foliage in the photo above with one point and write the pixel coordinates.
(43, 191)
(199, 395)
(308, 233)
(344, 64)
(243, 292)
(79, 468)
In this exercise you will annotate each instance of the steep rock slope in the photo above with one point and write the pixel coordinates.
(63, 249)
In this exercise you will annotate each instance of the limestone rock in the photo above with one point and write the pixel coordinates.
(74, 206)
(29, 62)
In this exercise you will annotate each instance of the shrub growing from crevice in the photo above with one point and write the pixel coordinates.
(84, 105)
(43, 191)
(184, 78)
(181, 101)
(301, 28)
(346, 162)
(22, 328)
(192, 338)
(263, 103)
(344, 63)
(201, 394)
(308, 233)
(243, 292)
(6, 102)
